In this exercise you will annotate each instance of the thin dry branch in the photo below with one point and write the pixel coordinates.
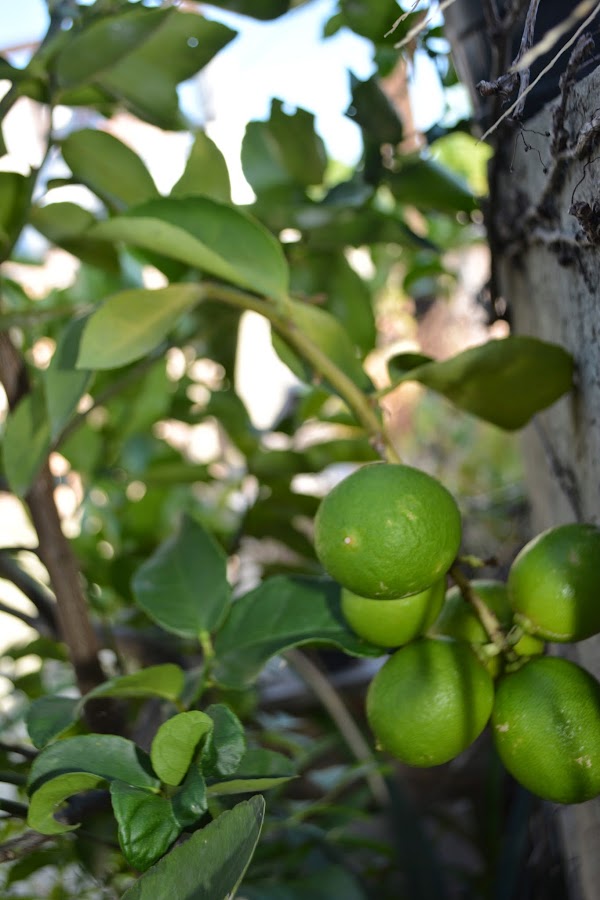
(414, 32)
(551, 38)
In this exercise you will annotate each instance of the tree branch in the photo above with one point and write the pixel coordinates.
(41, 598)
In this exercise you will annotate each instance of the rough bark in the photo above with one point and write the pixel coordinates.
(548, 269)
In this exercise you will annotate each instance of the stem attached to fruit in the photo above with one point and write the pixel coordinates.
(361, 405)
(488, 619)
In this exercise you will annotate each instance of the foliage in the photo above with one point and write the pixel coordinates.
(136, 784)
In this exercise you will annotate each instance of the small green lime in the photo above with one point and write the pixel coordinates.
(387, 531)
(429, 701)
(546, 726)
(554, 584)
(392, 623)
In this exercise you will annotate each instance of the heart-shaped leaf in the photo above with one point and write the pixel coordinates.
(176, 743)
(211, 865)
(183, 586)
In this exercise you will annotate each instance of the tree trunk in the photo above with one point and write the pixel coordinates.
(546, 246)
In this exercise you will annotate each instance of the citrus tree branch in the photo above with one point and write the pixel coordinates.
(358, 402)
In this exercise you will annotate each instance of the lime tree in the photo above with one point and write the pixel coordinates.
(387, 531)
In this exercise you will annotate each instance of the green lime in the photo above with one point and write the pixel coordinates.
(554, 584)
(429, 701)
(387, 531)
(546, 725)
(391, 623)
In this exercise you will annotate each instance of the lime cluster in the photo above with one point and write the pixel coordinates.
(389, 534)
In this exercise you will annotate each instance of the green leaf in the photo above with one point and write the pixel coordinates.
(325, 883)
(50, 797)
(165, 681)
(329, 336)
(426, 184)
(132, 323)
(226, 743)
(190, 801)
(146, 80)
(183, 586)
(105, 755)
(402, 363)
(14, 202)
(216, 238)
(147, 824)
(211, 864)
(375, 114)
(104, 42)
(259, 770)
(504, 381)
(281, 613)
(205, 172)
(283, 150)
(371, 18)
(258, 9)
(108, 167)
(27, 426)
(66, 225)
(65, 384)
(176, 743)
(48, 717)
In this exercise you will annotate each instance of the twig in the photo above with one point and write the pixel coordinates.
(414, 32)
(32, 621)
(549, 40)
(488, 619)
(41, 598)
(24, 845)
(332, 702)
(542, 74)
(20, 749)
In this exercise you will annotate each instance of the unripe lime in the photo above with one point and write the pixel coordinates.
(546, 726)
(429, 701)
(387, 531)
(392, 623)
(554, 583)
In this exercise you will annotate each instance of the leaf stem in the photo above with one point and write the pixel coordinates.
(358, 402)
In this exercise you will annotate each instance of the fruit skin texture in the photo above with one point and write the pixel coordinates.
(387, 531)
(429, 701)
(392, 623)
(546, 726)
(554, 584)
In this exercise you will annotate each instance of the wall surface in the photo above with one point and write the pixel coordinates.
(549, 273)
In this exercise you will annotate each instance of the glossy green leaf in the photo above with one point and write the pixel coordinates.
(104, 42)
(226, 743)
(259, 770)
(26, 426)
(503, 381)
(48, 717)
(329, 336)
(50, 797)
(426, 184)
(177, 742)
(14, 202)
(299, 611)
(147, 825)
(108, 167)
(165, 681)
(402, 363)
(190, 801)
(283, 150)
(66, 225)
(183, 586)
(211, 864)
(216, 238)
(105, 755)
(205, 172)
(146, 80)
(65, 384)
(132, 323)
